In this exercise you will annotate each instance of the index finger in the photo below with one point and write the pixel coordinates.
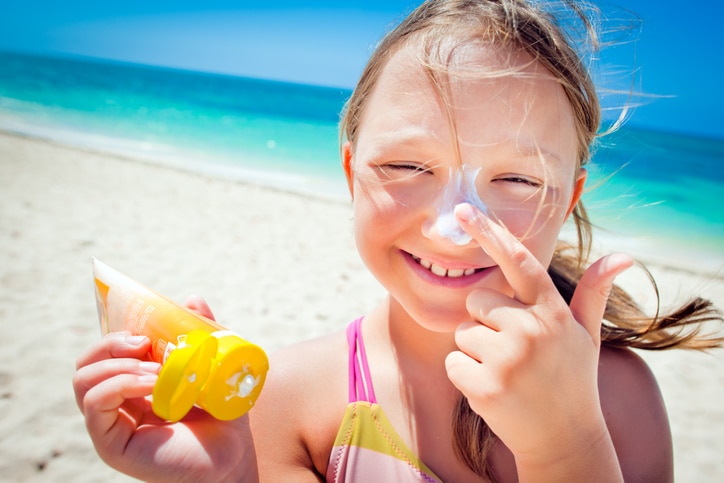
(521, 269)
(115, 345)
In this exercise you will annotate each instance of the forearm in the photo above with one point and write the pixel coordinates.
(591, 459)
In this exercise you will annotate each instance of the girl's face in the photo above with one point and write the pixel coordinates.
(514, 133)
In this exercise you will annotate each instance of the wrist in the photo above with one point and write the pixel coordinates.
(586, 456)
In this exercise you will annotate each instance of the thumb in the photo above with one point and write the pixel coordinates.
(198, 304)
(591, 295)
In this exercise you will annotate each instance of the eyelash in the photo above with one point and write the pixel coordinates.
(522, 180)
(408, 167)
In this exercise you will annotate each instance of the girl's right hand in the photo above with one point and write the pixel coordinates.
(112, 385)
(528, 361)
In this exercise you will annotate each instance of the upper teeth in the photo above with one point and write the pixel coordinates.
(442, 271)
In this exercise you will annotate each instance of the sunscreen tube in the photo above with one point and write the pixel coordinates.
(202, 362)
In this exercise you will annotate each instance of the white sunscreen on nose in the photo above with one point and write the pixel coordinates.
(460, 188)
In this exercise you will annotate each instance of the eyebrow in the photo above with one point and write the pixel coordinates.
(538, 152)
(410, 136)
(416, 139)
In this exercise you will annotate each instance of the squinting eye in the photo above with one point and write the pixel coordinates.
(407, 167)
(521, 180)
(403, 170)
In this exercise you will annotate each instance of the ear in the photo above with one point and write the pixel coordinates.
(577, 191)
(347, 165)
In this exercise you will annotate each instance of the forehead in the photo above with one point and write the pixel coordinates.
(481, 96)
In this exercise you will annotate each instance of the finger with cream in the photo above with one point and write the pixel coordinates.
(203, 363)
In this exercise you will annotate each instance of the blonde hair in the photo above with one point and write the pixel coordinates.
(526, 27)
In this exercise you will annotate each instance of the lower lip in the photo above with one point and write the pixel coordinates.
(452, 282)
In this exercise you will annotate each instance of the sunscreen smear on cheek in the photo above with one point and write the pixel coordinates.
(203, 363)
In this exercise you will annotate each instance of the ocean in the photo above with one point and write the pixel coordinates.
(647, 187)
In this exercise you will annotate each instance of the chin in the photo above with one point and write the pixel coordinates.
(445, 322)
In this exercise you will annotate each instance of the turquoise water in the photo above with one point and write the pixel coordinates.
(660, 188)
(272, 132)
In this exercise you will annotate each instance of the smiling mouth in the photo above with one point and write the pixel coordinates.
(445, 272)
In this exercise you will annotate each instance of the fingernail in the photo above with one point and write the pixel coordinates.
(464, 212)
(193, 300)
(136, 340)
(149, 366)
(148, 379)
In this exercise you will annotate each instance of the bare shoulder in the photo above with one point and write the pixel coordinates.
(307, 366)
(296, 418)
(636, 416)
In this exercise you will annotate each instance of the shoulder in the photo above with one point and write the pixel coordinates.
(308, 370)
(306, 376)
(301, 407)
(636, 416)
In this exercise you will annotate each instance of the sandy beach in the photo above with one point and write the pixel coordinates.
(274, 266)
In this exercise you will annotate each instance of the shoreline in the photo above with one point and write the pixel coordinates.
(327, 188)
(643, 246)
(276, 267)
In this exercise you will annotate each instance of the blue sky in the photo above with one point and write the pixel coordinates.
(678, 51)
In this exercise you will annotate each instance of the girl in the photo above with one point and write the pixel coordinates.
(464, 147)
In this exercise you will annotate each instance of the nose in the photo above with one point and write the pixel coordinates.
(441, 222)
(443, 225)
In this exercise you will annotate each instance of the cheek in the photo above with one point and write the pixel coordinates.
(377, 229)
(376, 217)
(390, 205)
(373, 206)
(537, 227)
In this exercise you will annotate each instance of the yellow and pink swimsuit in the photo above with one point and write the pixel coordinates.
(367, 447)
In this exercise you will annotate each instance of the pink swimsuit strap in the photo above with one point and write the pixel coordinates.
(360, 381)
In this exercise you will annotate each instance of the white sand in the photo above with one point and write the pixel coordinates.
(274, 266)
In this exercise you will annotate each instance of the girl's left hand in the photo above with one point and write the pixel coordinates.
(528, 364)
